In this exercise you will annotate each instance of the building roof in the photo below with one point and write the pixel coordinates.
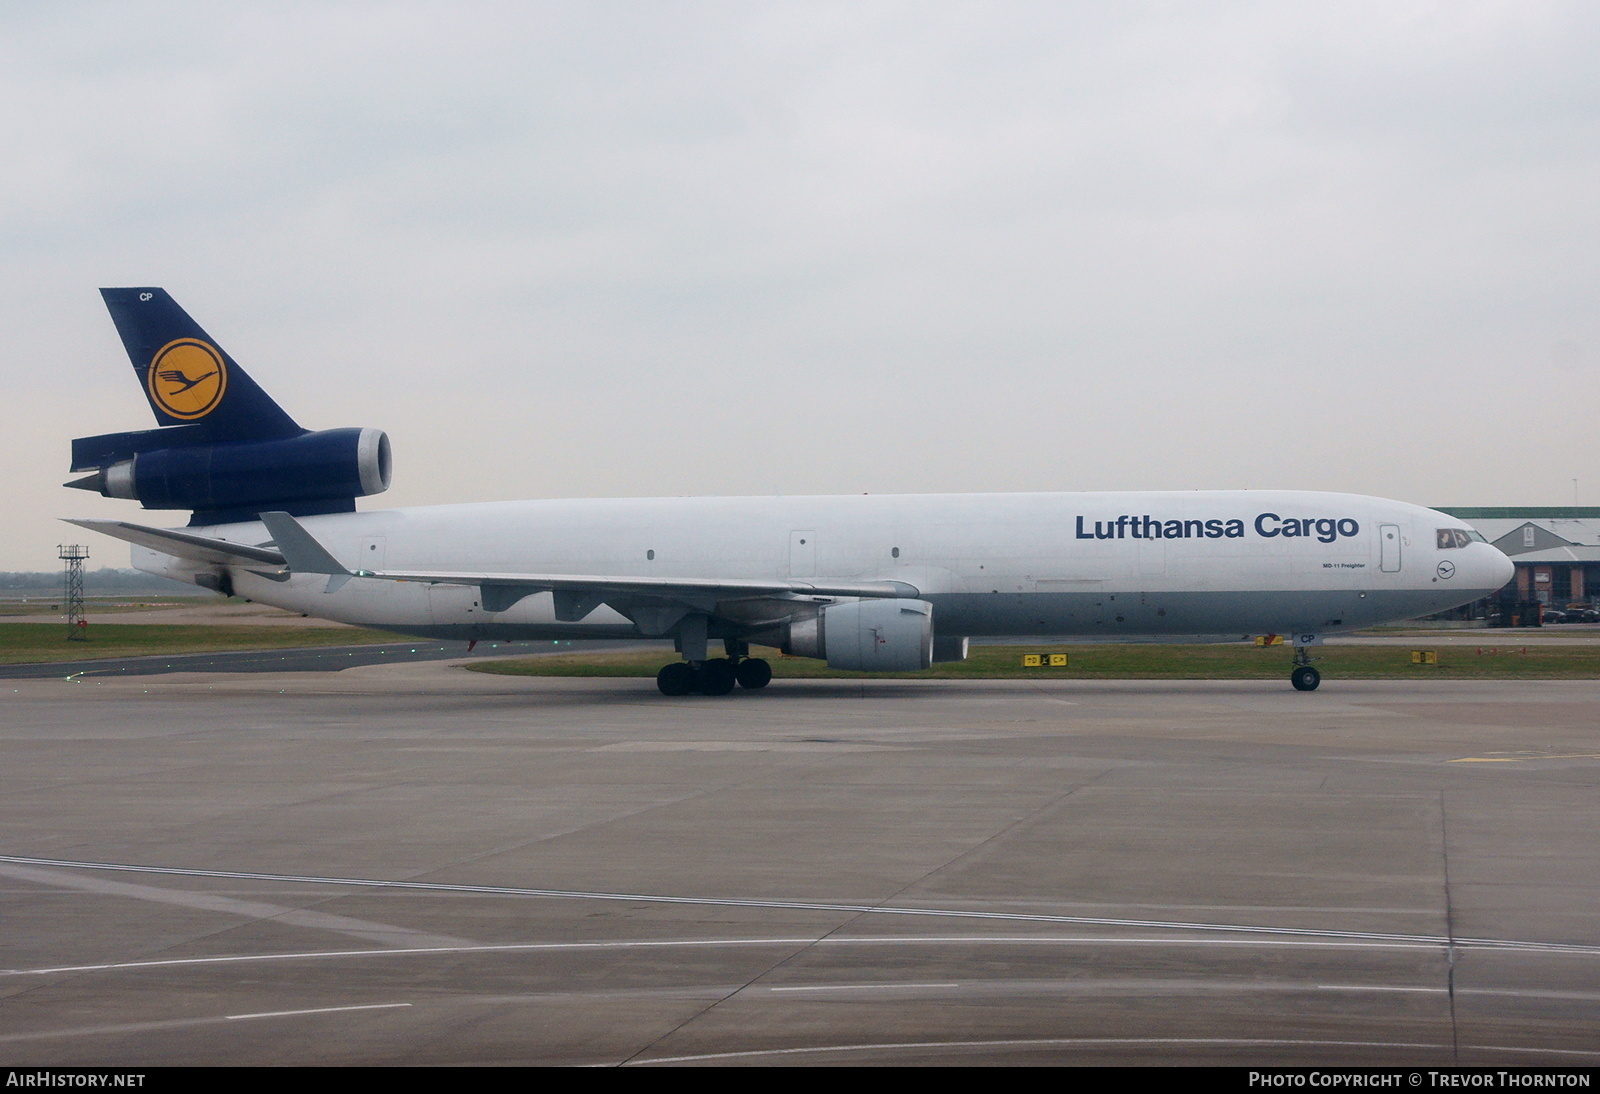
(1559, 555)
(1473, 513)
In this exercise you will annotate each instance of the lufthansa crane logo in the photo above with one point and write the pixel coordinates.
(187, 378)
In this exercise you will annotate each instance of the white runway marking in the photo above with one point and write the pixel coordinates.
(1377, 987)
(125, 1028)
(820, 906)
(227, 905)
(415, 951)
(866, 987)
(1099, 1042)
(312, 1010)
(1042, 1042)
(690, 943)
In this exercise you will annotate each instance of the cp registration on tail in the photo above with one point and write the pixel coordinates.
(868, 583)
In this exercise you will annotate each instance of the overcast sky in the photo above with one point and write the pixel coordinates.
(747, 248)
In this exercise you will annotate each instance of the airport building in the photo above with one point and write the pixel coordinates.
(1556, 550)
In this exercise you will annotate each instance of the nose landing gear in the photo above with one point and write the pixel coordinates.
(1303, 676)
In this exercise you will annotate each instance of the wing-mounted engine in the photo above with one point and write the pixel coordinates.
(863, 636)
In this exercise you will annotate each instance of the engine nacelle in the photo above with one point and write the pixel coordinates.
(329, 466)
(867, 636)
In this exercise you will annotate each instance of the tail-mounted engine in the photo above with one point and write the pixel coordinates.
(322, 472)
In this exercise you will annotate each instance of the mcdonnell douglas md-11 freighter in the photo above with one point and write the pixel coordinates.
(868, 583)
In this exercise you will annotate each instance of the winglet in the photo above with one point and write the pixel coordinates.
(302, 552)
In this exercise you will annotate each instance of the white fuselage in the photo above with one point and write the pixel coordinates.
(1110, 564)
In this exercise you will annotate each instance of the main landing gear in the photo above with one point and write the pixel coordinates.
(1303, 676)
(716, 676)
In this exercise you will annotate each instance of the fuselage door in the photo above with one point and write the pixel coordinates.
(1389, 548)
(803, 553)
(453, 604)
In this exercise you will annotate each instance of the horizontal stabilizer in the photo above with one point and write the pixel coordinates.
(172, 541)
(89, 453)
(303, 553)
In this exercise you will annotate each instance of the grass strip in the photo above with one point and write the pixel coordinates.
(1226, 661)
(34, 643)
(44, 606)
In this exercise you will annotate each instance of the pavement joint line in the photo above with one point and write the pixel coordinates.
(820, 906)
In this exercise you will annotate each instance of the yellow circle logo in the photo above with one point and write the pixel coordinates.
(187, 378)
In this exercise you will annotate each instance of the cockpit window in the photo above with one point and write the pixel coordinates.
(1456, 537)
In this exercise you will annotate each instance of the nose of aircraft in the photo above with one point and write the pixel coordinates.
(1496, 568)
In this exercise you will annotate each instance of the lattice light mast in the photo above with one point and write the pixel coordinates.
(73, 556)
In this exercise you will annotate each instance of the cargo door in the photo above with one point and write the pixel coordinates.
(453, 605)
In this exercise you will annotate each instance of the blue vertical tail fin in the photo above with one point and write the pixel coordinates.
(186, 377)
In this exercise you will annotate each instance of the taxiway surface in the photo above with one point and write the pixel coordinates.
(306, 658)
(414, 864)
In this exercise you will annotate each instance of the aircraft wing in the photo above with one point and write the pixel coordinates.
(172, 541)
(303, 554)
